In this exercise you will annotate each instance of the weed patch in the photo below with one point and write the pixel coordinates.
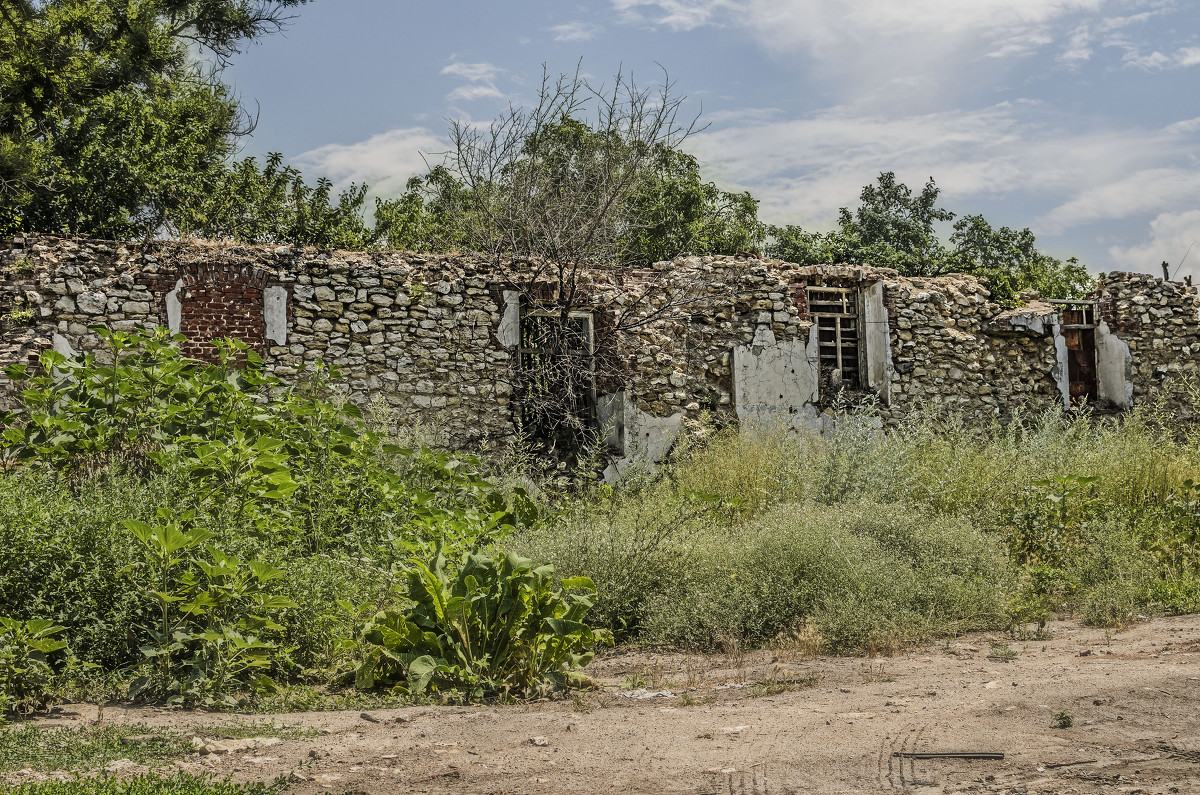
(88, 748)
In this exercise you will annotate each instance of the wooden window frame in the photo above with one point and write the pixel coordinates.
(847, 345)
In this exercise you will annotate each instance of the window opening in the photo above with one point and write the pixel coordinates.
(1079, 331)
(557, 386)
(835, 310)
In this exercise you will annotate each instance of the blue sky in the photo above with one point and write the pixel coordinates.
(1077, 118)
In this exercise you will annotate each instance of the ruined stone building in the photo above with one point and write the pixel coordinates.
(449, 339)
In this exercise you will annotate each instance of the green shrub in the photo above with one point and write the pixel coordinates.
(868, 578)
(213, 631)
(25, 673)
(499, 625)
(306, 507)
(281, 461)
(630, 543)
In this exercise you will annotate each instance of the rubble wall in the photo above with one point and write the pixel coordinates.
(1158, 323)
(436, 337)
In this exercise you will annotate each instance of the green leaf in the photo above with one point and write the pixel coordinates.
(569, 583)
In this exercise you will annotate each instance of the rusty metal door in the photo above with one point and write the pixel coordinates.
(1081, 356)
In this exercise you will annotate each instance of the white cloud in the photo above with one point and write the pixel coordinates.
(677, 14)
(805, 169)
(1180, 59)
(384, 161)
(1171, 235)
(825, 26)
(475, 72)
(901, 51)
(1144, 191)
(481, 81)
(471, 92)
(576, 31)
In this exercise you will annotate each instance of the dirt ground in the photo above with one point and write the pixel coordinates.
(766, 722)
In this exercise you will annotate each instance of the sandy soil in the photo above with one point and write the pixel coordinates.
(772, 722)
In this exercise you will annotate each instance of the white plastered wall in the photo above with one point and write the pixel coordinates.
(1113, 364)
(877, 342)
(776, 383)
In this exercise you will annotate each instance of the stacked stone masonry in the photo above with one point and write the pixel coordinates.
(738, 338)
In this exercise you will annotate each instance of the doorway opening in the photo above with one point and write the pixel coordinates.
(557, 384)
(1079, 330)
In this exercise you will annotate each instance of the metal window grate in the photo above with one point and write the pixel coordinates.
(835, 310)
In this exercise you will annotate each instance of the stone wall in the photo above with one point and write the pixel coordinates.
(437, 336)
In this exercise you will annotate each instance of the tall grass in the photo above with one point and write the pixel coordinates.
(877, 538)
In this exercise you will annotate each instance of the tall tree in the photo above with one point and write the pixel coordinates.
(273, 204)
(112, 113)
(666, 210)
(894, 228)
(586, 174)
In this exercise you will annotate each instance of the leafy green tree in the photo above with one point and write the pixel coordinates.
(681, 213)
(272, 204)
(108, 120)
(891, 228)
(429, 216)
(894, 228)
(1010, 263)
(666, 209)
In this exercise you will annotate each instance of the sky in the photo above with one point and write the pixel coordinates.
(1079, 119)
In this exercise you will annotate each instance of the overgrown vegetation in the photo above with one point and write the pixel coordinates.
(201, 534)
(873, 539)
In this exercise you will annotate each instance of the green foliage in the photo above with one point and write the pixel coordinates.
(893, 228)
(675, 212)
(1008, 261)
(148, 784)
(213, 632)
(1050, 526)
(664, 208)
(874, 538)
(285, 506)
(274, 205)
(1063, 720)
(18, 315)
(86, 748)
(1177, 545)
(499, 625)
(25, 673)
(298, 463)
(632, 545)
(870, 578)
(108, 123)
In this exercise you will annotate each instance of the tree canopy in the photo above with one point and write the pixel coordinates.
(556, 199)
(109, 123)
(114, 122)
(895, 228)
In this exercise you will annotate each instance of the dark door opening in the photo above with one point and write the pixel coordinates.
(1079, 331)
(557, 389)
